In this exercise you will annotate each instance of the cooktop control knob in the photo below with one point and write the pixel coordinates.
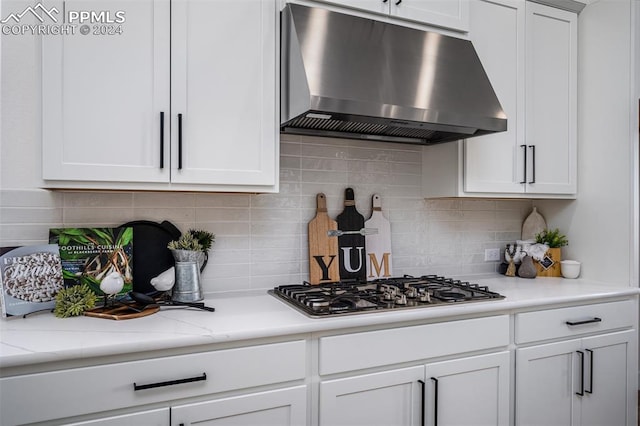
(425, 298)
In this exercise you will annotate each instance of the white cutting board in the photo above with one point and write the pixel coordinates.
(379, 259)
(533, 225)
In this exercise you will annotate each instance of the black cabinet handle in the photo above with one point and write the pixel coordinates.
(581, 393)
(398, 2)
(162, 139)
(179, 141)
(533, 163)
(137, 387)
(422, 393)
(384, 1)
(524, 176)
(594, 319)
(435, 401)
(590, 371)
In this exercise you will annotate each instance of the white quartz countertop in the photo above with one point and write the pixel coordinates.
(43, 338)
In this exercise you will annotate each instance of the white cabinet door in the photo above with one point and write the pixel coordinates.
(382, 399)
(494, 163)
(577, 382)
(159, 417)
(551, 87)
(609, 398)
(453, 14)
(468, 391)
(103, 95)
(546, 378)
(283, 407)
(224, 92)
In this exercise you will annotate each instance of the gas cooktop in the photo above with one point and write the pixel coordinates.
(407, 292)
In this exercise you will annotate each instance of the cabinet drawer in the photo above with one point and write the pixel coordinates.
(92, 389)
(385, 347)
(573, 321)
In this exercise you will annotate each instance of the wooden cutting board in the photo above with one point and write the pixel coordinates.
(121, 312)
(323, 250)
(378, 245)
(351, 246)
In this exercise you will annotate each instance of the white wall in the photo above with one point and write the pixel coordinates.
(599, 222)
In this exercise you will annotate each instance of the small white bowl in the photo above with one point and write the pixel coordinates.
(570, 268)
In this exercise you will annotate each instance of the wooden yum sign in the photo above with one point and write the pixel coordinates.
(379, 244)
(323, 250)
(338, 250)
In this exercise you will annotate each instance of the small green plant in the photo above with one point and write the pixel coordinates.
(194, 240)
(185, 242)
(205, 238)
(74, 301)
(552, 238)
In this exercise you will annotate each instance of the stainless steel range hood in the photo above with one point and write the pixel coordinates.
(346, 76)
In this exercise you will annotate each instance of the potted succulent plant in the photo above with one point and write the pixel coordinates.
(549, 266)
(194, 245)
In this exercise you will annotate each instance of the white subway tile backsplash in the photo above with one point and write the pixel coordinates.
(30, 198)
(86, 199)
(222, 200)
(222, 214)
(261, 239)
(158, 214)
(154, 199)
(30, 215)
(103, 216)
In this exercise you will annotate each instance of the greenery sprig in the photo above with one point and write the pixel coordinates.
(194, 240)
(74, 301)
(552, 238)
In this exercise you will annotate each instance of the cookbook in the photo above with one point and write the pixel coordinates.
(30, 278)
(88, 255)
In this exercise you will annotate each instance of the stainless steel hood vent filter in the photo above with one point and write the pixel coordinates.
(345, 76)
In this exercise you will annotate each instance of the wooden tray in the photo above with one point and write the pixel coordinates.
(121, 312)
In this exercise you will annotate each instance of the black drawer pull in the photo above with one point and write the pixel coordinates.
(594, 319)
(137, 387)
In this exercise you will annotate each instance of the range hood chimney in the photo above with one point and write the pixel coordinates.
(350, 77)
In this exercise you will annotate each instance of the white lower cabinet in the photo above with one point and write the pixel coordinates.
(260, 381)
(586, 379)
(422, 395)
(468, 391)
(429, 392)
(159, 417)
(388, 398)
(576, 382)
(282, 407)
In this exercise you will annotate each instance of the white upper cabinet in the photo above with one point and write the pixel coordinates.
(529, 52)
(103, 96)
(451, 14)
(223, 90)
(184, 98)
(551, 96)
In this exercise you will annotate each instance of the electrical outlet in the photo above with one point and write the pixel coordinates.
(492, 255)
